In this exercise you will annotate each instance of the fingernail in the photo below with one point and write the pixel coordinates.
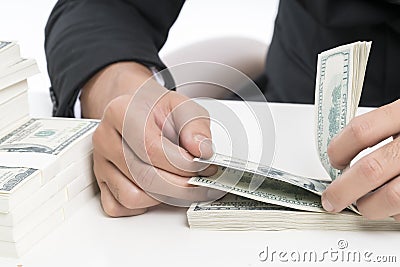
(326, 204)
(205, 146)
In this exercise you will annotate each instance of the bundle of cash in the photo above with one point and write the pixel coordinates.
(340, 75)
(47, 175)
(14, 72)
(45, 164)
(234, 212)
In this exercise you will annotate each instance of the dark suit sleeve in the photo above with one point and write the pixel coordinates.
(84, 36)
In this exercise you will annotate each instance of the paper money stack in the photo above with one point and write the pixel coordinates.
(233, 212)
(45, 164)
(14, 72)
(284, 200)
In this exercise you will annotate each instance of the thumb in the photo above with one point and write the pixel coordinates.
(192, 122)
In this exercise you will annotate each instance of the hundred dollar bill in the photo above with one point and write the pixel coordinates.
(49, 136)
(233, 212)
(271, 190)
(339, 81)
(11, 177)
(49, 145)
(15, 184)
(315, 186)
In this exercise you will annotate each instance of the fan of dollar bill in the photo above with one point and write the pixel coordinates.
(45, 164)
(284, 200)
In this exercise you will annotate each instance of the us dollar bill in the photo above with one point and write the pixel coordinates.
(339, 81)
(233, 212)
(270, 190)
(12, 177)
(262, 172)
(48, 136)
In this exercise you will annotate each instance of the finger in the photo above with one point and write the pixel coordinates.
(362, 132)
(382, 203)
(112, 207)
(365, 175)
(164, 154)
(160, 152)
(193, 122)
(107, 142)
(157, 181)
(144, 136)
(121, 187)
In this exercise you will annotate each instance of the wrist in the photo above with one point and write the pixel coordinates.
(122, 78)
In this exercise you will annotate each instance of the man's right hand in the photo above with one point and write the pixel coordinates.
(146, 141)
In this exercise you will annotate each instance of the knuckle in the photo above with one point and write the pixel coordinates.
(372, 170)
(359, 129)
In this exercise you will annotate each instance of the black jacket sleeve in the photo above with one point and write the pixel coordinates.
(83, 36)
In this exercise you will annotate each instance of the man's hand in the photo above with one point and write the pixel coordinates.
(145, 143)
(374, 181)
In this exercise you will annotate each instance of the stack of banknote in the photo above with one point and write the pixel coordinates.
(233, 212)
(265, 198)
(14, 72)
(45, 164)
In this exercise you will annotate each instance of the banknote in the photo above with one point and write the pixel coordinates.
(16, 184)
(49, 136)
(339, 81)
(11, 177)
(271, 190)
(263, 172)
(233, 212)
